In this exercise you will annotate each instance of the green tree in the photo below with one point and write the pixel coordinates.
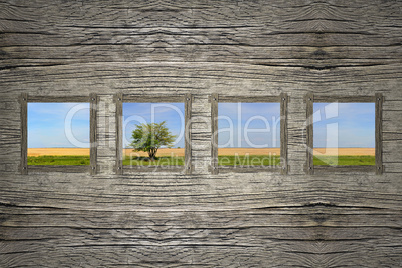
(150, 137)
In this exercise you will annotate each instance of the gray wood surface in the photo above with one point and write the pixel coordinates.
(162, 48)
(309, 100)
(118, 99)
(284, 133)
(45, 98)
(214, 99)
(379, 100)
(152, 98)
(188, 100)
(24, 133)
(61, 169)
(245, 98)
(151, 169)
(93, 100)
(347, 99)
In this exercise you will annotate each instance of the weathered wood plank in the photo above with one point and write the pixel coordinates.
(188, 133)
(309, 99)
(61, 169)
(284, 133)
(118, 99)
(345, 169)
(353, 99)
(45, 98)
(214, 133)
(93, 98)
(24, 133)
(378, 133)
(246, 98)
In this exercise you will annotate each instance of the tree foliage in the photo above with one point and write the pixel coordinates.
(150, 137)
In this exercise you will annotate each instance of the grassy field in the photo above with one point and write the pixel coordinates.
(344, 160)
(226, 156)
(225, 160)
(62, 160)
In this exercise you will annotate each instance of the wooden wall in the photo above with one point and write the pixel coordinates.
(201, 47)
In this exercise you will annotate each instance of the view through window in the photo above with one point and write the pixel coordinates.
(344, 134)
(248, 134)
(58, 134)
(153, 134)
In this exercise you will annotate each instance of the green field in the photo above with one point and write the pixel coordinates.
(225, 160)
(159, 161)
(64, 160)
(250, 160)
(345, 160)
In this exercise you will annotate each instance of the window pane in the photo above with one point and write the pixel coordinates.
(344, 133)
(58, 134)
(248, 134)
(153, 134)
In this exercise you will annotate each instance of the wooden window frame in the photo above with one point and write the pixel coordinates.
(283, 100)
(92, 99)
(310, 99)
(187, 99)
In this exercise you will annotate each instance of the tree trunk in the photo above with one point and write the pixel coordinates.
(151, 154)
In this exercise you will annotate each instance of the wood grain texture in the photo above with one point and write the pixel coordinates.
(61, 169)
(284, 133)
(245, 98)
(309, 100)
(165, 47)
(379, 100)
(214, 99)
(93, 133)
(118, 99)
(153, 98)
(44, 98)
(346, 99)
(24, 133)
(188, 100)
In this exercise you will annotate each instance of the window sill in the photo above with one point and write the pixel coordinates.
(150, 169)
(63, 169)
(248, 169)
(345, 169)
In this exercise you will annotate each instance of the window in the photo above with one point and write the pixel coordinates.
(153, 133)
(58, 134)
(249, 133)
(344, 134)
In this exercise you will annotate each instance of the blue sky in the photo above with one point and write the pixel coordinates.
(46, 125)
(261, 119)
(137, 113)
(355, 125)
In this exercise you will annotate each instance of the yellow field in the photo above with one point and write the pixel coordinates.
(344, 151)
(251, 151)
(57, 151)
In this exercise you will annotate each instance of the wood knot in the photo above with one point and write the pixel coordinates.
(320, 54)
